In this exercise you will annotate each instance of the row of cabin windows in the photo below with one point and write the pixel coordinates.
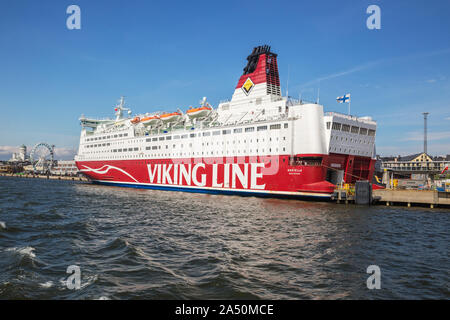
(228, 142)
(353, 129)
(351, 140)
(98, 145)
(126, 149)
(345, 150)
(218, 132)
(167, 147)
(191, 153)
(174, 146)
(119, 135)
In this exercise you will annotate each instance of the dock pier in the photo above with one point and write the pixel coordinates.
(391, 197)
(39, 176)
(432, 198)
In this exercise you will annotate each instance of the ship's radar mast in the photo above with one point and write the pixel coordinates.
(120, 108)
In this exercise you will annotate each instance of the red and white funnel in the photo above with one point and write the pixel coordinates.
(260, 77)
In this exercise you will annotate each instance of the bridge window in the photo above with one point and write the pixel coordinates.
(206, 134)
(345, 127)
(336, 126)
(328, 125)
(371, 132)
(250, 129)
(238, 130)
(363, 131)
(261, 128)
(216, 133)
(355, 129)
(275, 126)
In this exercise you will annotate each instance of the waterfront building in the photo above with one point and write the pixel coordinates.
(20, 156)
(64, 168)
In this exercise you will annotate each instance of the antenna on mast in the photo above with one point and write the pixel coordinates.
(287, 85)
(318, 94)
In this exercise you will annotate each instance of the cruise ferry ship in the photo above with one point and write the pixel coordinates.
(257, 143)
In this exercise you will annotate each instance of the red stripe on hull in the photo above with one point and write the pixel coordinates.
(264, 173)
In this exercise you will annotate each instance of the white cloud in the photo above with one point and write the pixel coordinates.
(434, 149)
(65, 153)
(342, 73)
(380, 62)
(7, 151)
(431, 136)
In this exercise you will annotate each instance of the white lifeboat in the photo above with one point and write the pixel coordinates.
(170, 117)
(150, 121)
(200, 112)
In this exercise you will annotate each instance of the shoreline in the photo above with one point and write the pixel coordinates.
(49, 177)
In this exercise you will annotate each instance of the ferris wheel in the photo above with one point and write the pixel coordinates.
(42, 157)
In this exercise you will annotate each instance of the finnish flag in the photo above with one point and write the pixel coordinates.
(343, 99)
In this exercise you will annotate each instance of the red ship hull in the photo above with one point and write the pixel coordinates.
(258, 175)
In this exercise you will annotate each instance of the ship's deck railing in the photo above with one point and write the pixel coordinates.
(96, 119)
(349, 117)
(294, 102)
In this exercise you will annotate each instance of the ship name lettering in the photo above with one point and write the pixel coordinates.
(222, 175)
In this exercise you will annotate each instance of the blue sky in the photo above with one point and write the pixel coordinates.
(168, 55)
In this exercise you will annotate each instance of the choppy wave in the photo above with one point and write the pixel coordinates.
(133, 244)
(24, 251)
(47, 284)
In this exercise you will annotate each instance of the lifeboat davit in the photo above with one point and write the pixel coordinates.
(170, 117)
(200, 112)
(150, 121)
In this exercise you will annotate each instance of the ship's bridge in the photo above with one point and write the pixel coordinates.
(346, 134)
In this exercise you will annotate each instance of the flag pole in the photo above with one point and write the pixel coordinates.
(349, 107)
